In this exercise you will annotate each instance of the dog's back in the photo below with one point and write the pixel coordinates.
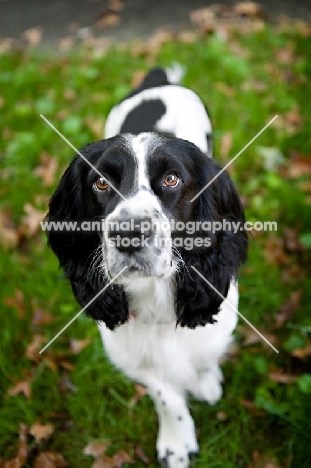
(160, 105)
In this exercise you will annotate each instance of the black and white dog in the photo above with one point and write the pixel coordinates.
(161, 322)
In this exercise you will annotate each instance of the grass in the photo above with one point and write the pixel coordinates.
(244, 81)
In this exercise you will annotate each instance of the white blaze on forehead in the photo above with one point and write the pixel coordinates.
(140, 144)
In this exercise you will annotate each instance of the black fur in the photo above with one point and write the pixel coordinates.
(75, 250)
(74, 200)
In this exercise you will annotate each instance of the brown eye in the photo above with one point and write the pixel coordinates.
(171, 180)
(101, 184)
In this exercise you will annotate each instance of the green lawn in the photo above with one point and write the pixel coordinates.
(245, 79)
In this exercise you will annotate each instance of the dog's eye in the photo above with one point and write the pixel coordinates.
(171, 180)
(101, 184)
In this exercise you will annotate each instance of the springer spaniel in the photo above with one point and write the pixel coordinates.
(161, 322)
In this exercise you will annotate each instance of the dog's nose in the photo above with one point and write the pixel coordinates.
(130, 234)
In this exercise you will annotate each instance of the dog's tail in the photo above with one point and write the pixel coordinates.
(175, 73)
(163, 76)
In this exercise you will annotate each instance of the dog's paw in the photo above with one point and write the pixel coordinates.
(209, 387)
(176, 446)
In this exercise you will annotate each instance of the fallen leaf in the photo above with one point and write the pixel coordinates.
(225, 145)
(204, 19)
(286, 54)
(17, 302)
(23, 386)
(41, 317)
(76, 346)
(293, 117)
(116, 5)
(252, 408)
(47, 169)
(22, 453)
(108, 20)
(282, 377)
(97, 127)
(66, 43)
(121, 457)
(95, 449)
(9, 236)
(33, 36)
(41, 431)
(292, 242)
(32, 349)
(65, 384)
(137, 78)
(302, 353)
(51, 363)
(49, 460)
(287, 309)
(225, 89)
(141, 454)
(140, 392)
(222, 416)
(250, 9)
(31, 221)
(274, 252)
(251, 337)
(263, 461)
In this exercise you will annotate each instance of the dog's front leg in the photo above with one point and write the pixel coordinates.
(176, 438)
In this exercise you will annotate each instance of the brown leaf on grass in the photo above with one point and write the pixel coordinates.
(225, 145)
(33, 36)
(41, 431)
(41, 317)
(98, 449)
(108, 19)
(22, 452)
(97, 126)
(140, 392)
(263, 461)
(302, 353)
(250, 9)
(225, 89)
(23, 386)
(65, 384)
(31, 221)
(76, 346)
(204, 19)
(8, 232)
(282, 377)
(274, 252)
(286, 54)
(95, 449)
(32, 349)
(251, 337)
(17, 302)
(137, 78)
(119, 458)
(47, 169)
(252, 408)
(291, 241)
(116, 5)
(141, 454)
(287, 309)
(49, 460)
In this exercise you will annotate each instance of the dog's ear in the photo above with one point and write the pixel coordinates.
(79, 252)
(196, 301)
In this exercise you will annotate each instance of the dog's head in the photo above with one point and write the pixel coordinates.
(132, 202)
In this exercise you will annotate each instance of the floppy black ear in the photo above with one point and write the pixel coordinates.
(196, 301)
(76, 249)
